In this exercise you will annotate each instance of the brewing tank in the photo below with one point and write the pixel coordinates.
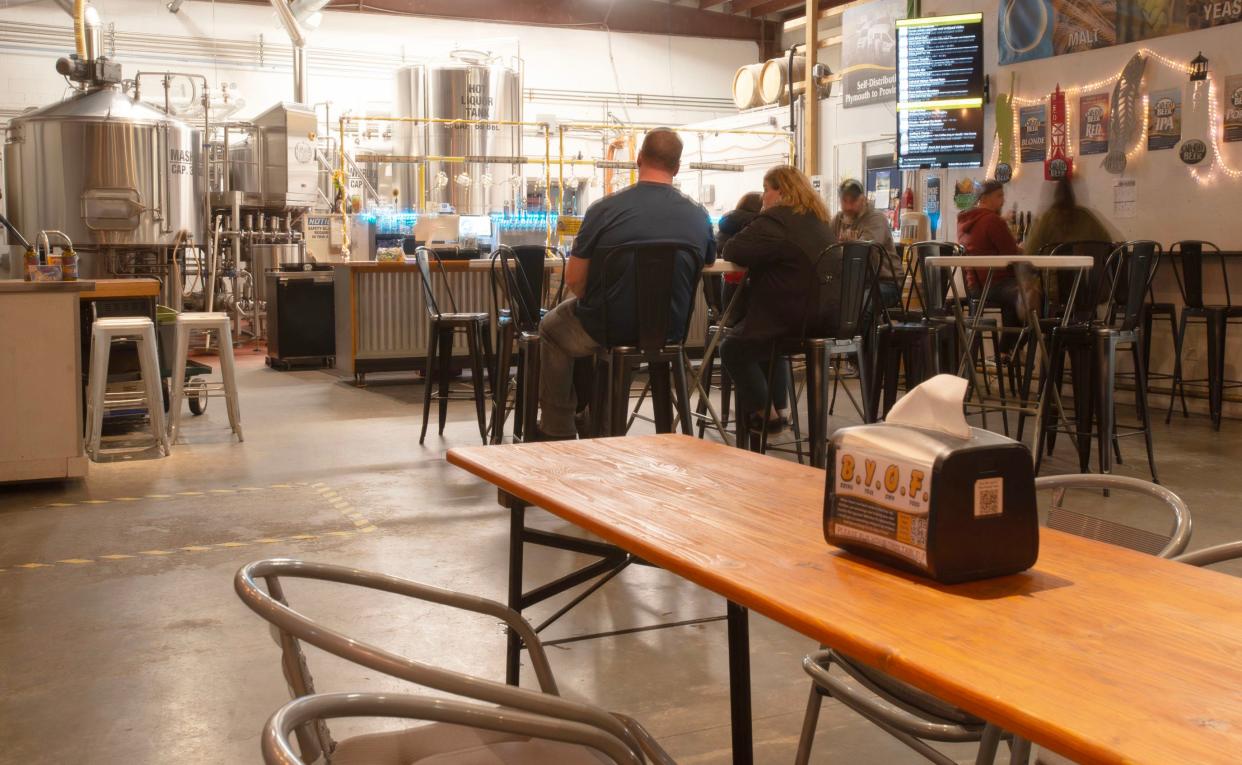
(109, 171)
(470, 87)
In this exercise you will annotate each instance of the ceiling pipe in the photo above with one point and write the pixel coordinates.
(298, 39)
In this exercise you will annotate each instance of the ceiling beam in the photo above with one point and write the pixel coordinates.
(835, 9)
(640, 16)
(772, 6)
(739, 6)
(705, 4)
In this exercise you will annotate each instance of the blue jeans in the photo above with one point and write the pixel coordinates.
(747, 364)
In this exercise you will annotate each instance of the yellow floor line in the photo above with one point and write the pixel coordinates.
(342, 506)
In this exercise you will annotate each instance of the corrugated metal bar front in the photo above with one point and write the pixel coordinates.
(392, 315)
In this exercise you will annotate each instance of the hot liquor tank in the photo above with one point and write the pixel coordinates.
(114, 174)
(472, 86)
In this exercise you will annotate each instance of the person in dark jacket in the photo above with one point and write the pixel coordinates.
(982, 231)
(749, 206)
(779, 249)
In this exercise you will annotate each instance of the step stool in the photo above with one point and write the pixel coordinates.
(205, 322)
(104, 332)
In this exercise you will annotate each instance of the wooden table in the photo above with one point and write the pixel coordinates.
(122, 288)
(1101, 654)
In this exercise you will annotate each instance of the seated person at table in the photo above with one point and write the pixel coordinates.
(731, 224)
(1065, 221)
(779, 250)
(650, 210)
(859, 221)
(982, 231)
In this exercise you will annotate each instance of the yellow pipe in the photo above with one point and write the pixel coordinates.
(548, 241)
(345, 194)
(560, 183)
(79, 27)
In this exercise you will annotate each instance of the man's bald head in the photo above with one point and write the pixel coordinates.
(661, 152)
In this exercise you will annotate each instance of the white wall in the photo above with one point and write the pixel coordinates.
(351, 56)
(1172, 205)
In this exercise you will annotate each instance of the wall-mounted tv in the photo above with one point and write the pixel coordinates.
(940, 92)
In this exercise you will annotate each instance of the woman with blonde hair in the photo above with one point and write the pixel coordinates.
(779, 249)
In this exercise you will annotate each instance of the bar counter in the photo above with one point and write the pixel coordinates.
(382, 321)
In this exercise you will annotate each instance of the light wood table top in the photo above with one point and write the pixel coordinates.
(484, 264)
(122, 288)
(1099, 653)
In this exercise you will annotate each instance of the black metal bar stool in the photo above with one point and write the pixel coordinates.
(717, 324)
(843, 276)
(919, 340)
(1187, 256)
(443, 328)
(653, 340)
(519, 286)
(1093, 346)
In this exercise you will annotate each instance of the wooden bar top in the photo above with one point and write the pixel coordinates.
(483, 264)
(21, 286)
(122, 288)
(1101, 654)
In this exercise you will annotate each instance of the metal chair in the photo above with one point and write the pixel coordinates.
(915, 717)
(1188, 268)
(714, 299)
(443, 328)
(1093, 344)
(918, 338)
(458, 728)
(844, 268)
(650, 337)
(519, 286)
(204, 322)
(104, 332)
(534, 712)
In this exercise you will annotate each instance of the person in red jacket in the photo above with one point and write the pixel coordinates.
(982, 231)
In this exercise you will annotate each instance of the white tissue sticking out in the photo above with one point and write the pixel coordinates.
(934, 405)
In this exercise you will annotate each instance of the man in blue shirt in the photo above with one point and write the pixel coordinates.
(650, 210)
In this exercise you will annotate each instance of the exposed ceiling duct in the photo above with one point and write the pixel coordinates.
(297, 37)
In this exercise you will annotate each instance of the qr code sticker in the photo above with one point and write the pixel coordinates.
(989, 496)
(918, 531)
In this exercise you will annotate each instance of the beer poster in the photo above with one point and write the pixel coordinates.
(1164, 119)
(1093, 124)
(1034, 29)
(1232, 107)
(1033, 132)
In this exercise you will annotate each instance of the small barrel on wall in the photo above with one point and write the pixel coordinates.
(774, 79)
(746, 86)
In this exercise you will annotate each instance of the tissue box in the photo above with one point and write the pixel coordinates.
(948, 508)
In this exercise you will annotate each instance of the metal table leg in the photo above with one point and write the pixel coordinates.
(739, 685)
(513, 649)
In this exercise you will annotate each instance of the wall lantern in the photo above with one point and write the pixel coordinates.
(1198, 68)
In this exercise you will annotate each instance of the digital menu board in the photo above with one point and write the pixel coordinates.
(940, 92)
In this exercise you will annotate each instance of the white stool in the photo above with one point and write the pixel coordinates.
(104, 332)
(205, 322)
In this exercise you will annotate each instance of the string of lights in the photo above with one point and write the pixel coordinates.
(1204, 176)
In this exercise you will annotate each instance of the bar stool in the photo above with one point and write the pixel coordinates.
(655, 341)
(1188, 268)
(205, 322)
(104, 332)
(443, 328)
(1093, 347)
(519, 284)
(842, 272)
(718, 324)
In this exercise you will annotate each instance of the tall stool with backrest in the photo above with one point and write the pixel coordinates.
(205, 322)
(443, 328)
(717, 329)
(653, 340)
(843, 276)
(462, 729)
(915, 717)
(104, 332)
(1137, 261)
(916, 336)
(519, 282)
(1067, 324)
(1187, 257)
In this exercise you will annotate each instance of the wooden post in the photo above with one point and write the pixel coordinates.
(810, 110)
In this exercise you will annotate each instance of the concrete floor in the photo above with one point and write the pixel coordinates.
(123, 641)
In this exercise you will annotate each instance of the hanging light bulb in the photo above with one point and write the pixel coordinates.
(486, 180)
(463, 179)
(441, 179)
